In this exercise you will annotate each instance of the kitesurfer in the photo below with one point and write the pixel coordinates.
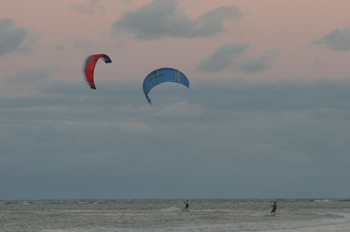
(274, 207)
(187, 204)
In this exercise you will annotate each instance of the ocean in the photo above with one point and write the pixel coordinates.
(212, 215)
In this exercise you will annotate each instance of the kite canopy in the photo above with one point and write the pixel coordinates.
(163, 75)
(89, 67)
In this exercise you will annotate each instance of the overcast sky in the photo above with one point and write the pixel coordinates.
(267, 114)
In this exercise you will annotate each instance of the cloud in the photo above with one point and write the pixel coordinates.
(87, 8)
(337, 40)
(232, 57)
(79, 43)
(222, 58)
(180, 110)
(83, 44)
(217, 129)
(57, 47)
(11, 37)
(28, 79)
(164, 18)
(259, 63)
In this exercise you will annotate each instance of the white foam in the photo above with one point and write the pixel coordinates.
(324, 200)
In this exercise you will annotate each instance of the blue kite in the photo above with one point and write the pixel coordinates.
(163, 75)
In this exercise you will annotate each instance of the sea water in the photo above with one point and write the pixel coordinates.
(213, 215)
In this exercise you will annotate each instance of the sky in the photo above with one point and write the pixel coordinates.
(267, 113)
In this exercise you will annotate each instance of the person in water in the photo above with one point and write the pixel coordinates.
(274, 207)
(187, 204)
